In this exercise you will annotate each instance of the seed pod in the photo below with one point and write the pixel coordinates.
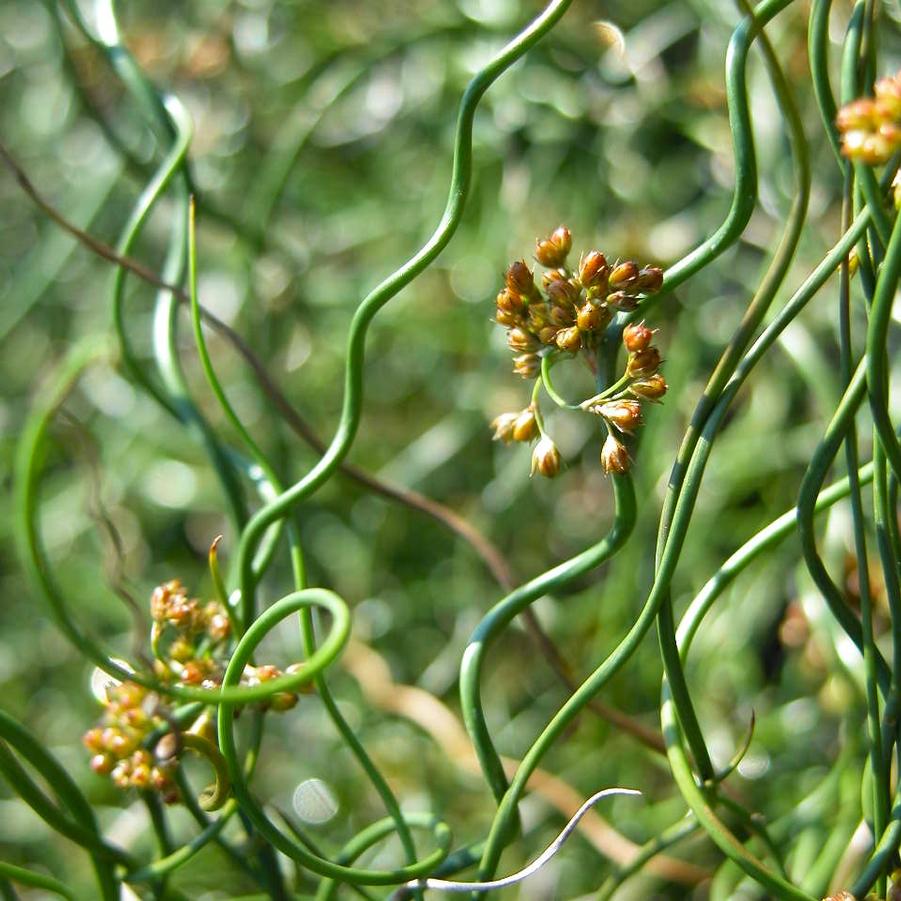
(614, 456)
(510, 302)
(282, 701)
(519, 279)
(651, 388)
(569, 339)
(527, 365)
(102, 764)
(503, 427)
(643, 362)
(552, 251)
(522, 341)
(548, 335)
(551, 276)
(637, 337)
(506, 318)
(650, 280)
(593, 270)
(623, 275)
(545, 458)
(562, 317)
(592, 318)
(562, 293)
(526, 426)
(622, 301)
(624, 414)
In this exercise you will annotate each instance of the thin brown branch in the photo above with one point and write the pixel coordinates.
(490, 555)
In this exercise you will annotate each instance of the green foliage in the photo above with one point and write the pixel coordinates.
(220, 315)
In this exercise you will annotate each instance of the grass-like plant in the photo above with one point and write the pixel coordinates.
(771, 767)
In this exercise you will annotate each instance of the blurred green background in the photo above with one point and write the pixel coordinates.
(322, 150)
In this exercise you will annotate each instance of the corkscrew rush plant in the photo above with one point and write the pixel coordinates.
(200, 698)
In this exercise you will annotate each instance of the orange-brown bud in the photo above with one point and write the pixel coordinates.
(526, 426)
(551, 276)
(623, 275)
(593, 270)
(614, 456)
(509, 302)
(282, 701)
(503, 427)
(548, 335)
(562, 293)
(643, 362)
(622, 301)
(545, 458)
(637, 337)
(562, 316)
(569, 339)
(592, 318)
(650, 280)
(527, 365)
(521, 341)
(102, 764)
(651, 388)
(519, 279)
(552, 251)
(506, 318)
(624, 414)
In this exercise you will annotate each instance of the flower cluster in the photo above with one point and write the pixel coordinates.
(870, 127)
(569, 316)
(132, 714)
(572, 308)
(189, 641)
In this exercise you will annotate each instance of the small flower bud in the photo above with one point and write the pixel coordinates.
(503, 427)
(561, 317)
(622, 301)
(551, 276)
(521, 341)
(526, 426)
(637, 337)
(552, 251)
(593, 270)
(562, 293)
(548, 335)
(643, 362)
(509, 302)
(592, 318)
(506, 318)
(519, 279)
(569, 339)
(650, 280)
(527, 365)
(624, 414)
(651, 388)
(623, 275)
(615, 456)
(545, 458)
(539, 317)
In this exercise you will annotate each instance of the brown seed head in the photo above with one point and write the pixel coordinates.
(521, 341)
(526, 426)
(519, 279)
(622, 301)
(545, 458)
(503, 427)
(593, 270)
(509, 302)
(643, 362)
(569, 339)
(614, 456)
(527, 365)
(562, 293)
(637, 337)
(624, 414)
(653, 387)
(623, 275)
(552, 251)
(592, 318)
(649, 281)
(551, 276)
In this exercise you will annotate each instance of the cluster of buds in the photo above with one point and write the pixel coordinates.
(870, 127)
(568, 315)
(571, 309)
(189, 642)
(620, 408)
(118, 746)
